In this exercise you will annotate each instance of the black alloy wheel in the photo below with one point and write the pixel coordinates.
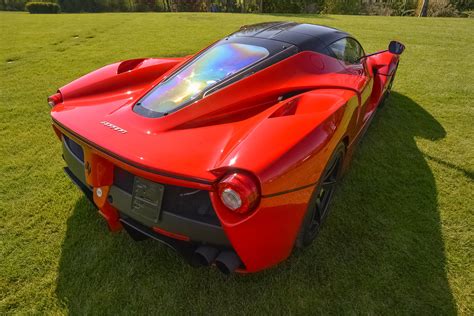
(318, 207)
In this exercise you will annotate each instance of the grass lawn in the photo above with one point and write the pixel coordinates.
(400, 236)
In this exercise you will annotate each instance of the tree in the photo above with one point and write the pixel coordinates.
(424, 8)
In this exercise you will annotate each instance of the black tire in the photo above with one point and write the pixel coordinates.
(320, 201)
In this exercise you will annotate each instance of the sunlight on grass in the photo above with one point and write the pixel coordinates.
(399, 239)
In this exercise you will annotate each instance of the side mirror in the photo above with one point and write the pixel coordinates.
(396, 48)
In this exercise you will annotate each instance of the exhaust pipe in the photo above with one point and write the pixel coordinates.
(204, 256)
(227, 262)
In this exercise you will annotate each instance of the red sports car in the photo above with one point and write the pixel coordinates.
(230, 156)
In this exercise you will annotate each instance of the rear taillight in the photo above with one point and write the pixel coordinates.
(55, 99)
(239, 192)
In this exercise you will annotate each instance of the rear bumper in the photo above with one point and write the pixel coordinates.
(261, 240)
(121, 200)
(137, 230)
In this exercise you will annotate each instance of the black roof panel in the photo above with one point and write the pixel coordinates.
(304, 36)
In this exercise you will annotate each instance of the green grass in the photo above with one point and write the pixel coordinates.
(400, 236)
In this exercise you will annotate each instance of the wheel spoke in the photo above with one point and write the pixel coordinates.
(318, 201)
(330, 170)
(328, 183)
(327, 187)
(324, 195)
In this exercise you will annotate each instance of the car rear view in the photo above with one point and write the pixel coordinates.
(229, 156)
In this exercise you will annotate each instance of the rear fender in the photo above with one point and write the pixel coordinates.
(287, 153)
(290, 151)
(127, 76)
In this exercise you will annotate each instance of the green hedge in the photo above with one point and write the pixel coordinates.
(42, 7)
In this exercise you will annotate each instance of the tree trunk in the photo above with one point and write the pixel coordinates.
(424, 8)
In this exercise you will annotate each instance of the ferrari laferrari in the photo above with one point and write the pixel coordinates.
(230, 156)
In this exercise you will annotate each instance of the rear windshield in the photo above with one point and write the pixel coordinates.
(214, 65)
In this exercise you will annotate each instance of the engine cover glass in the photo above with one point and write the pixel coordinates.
(213, 66)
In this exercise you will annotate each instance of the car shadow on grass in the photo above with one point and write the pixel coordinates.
(380, 252)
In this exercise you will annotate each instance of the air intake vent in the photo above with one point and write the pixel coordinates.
(75, 148)
(129, 65)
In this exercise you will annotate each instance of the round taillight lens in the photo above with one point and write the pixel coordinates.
(231, 199)
(239, 192)
(55, 99)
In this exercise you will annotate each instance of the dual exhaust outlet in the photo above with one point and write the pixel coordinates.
(226, 261)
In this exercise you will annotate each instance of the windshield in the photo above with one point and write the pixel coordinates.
(214, 65)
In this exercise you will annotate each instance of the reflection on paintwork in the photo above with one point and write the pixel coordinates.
(213, 66)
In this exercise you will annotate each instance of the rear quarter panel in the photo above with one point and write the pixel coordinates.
(287, 154)
(290, 151)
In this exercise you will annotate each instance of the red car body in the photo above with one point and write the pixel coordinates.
(278, 126)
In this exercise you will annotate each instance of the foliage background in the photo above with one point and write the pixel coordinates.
(371, 7)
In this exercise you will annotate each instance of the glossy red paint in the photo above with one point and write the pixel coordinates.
(244, 127)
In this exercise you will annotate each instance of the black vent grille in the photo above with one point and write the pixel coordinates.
(186, 202)
(75, 148)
